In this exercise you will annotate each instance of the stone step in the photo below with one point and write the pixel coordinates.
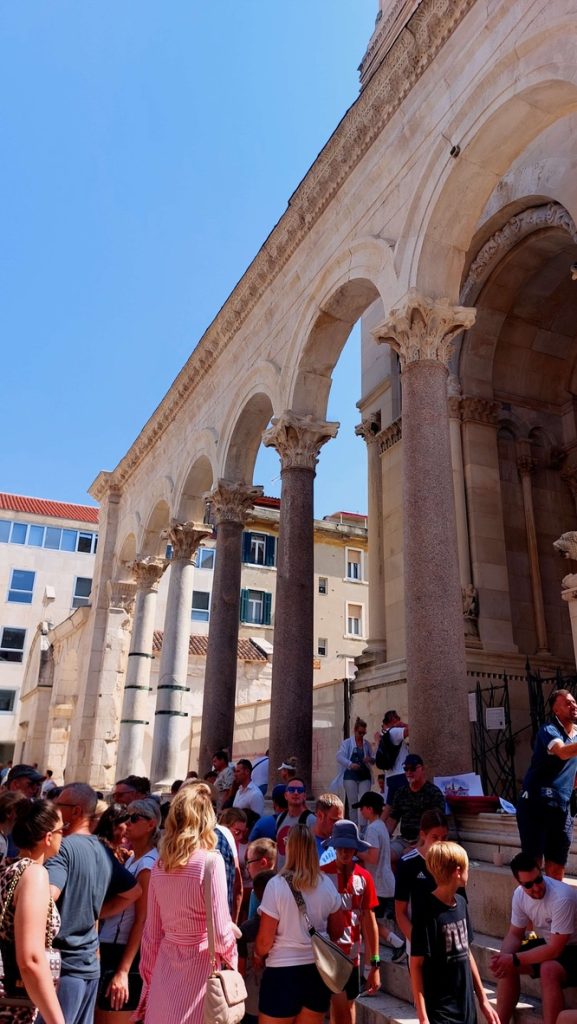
(386, 1008)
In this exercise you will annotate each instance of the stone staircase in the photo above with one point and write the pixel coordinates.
(487, 838)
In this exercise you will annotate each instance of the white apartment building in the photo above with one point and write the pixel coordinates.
(46, 565)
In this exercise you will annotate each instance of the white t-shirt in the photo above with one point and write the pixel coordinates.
(260, 772)
(377, 835)
(117, 929)
(249, 797)
(396, 734)
(292, 943)
(555, 914)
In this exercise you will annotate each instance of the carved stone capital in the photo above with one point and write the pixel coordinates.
(480, 410)
(567, 545)
(369, 430)
(230, 502)
(569, 585)
(424, 328)
(454, 404)
(526, 465)
(390, 435)
(148, 571)
(121, 594)
(298, 439)
(185, 538)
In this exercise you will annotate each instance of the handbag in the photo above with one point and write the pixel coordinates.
(13, 994)
(334, 966)
(225, 988)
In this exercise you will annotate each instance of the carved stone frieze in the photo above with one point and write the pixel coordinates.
(480, 410)
(121, 594)
(298, 439)
(148, 571)
(423, 328)
(412, 52)
(230, 502)
(185, 537)
(550, 215)
(390, 435)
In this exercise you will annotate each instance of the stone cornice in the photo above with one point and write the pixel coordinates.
(390, 435)
(411, 54)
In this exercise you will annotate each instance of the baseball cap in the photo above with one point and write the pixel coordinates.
(374, 800)
(290, 764)
(413, 761)
(24, 771)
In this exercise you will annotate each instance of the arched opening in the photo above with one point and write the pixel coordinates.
(152, 542)
(198, 482)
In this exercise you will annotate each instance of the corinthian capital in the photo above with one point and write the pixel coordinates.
(423, 328)
(185, 537)
(368, 430)
(121, 595)
(230, 502)
(147, 572)
(298, 439)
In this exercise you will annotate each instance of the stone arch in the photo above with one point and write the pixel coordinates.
(190, 502)
(256, 401)
(126, 553)
(358, 276)
(151, 542)
(509, 109)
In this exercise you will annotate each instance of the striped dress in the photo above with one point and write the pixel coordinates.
(174, 961)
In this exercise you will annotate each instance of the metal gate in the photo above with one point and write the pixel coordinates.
(541, 690)
(492, 740)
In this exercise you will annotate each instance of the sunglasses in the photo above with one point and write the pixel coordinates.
(534, 881)
(295, 789)
(133, 818)
(255, 860)
(55, 831)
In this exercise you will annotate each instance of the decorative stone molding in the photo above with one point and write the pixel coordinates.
(386, 32)
(526, 465)
(550, 215)
(567, 546)
(147, 572)
(480, 410)
(185, 537)
(454, 404)
(298, 439)
(369, 430)
(390, 435)
(230, 502)
(423, 328)
(408, 58)
(121, 594)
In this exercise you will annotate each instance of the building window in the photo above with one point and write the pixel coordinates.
(21, 586)
(322, 647)
(82, 588)
(354, 560)
(323, 585)
(258, 549)
(200, 605)
(18, 535)
(5, 530)
(7, 699)
(51, 537)
(354, 619)
(255, 607)
(12, 644)
(205, 558)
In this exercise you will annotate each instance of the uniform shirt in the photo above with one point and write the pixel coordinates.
(442, 935)
(409, 807)
(358, 895)
(546, 771)
(554, 914)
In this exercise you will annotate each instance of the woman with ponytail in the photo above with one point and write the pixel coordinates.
(28, 917)
(174, 961)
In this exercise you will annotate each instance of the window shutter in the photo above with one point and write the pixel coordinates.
(266, 608)
(270, 550)
(246, 543)
(244, 603)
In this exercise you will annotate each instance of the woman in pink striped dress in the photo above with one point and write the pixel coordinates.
(174, 961)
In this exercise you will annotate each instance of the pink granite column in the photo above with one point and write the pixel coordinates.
(229, 503)
(173, 672)
(298, 440)
(421, 331)
(136, 703)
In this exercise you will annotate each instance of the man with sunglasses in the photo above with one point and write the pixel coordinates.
(549, 908)
(297, 813)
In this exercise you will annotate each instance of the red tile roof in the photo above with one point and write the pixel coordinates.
(44, 507)
(246, 650)
(267, 502)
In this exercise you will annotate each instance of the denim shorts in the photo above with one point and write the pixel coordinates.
(285, 991)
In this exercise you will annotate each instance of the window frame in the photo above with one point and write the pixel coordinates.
(81, 600)
(14, 693)
(17, 650)
(361, 577)
(202, 614)
(361, 620)
(325, 580)
(322, 642)
(20, 590)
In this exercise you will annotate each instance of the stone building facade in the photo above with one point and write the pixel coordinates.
(442, 212)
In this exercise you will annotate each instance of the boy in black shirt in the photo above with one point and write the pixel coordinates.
(444, 975)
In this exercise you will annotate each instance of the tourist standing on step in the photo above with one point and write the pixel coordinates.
(549, 908)
(354, 761)
(390, 753)
(248, 797)
(409, 805)
(543, 811)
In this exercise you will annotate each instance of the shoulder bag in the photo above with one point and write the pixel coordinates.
(334, 966)
(225, 988)
(12, 991)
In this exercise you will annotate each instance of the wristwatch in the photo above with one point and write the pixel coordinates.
(375, 961)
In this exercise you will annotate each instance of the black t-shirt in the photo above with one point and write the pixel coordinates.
(413, 881)
(442, 935)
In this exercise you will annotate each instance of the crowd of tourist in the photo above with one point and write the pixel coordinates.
(103, 903)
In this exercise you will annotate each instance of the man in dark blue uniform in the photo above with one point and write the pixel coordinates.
(543, 813)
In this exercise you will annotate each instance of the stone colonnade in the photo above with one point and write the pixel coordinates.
(421, 331)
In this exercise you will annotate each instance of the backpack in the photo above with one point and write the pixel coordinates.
(303, 818)
(387, 752)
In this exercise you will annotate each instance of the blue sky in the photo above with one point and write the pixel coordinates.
(147, 149)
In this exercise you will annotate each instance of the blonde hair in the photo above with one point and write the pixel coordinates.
(443, 860)
(262, 848)
(327, 800)
(302, 859)
(189, 826)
